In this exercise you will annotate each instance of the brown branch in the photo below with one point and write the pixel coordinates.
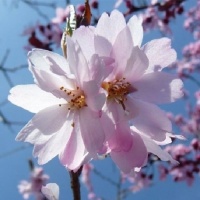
(75, 184)
(134, 8)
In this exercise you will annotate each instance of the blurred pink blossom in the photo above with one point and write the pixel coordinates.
(61, 15)
(34, 186)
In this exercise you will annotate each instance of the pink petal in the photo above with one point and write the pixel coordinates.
(169, 88)
(116, 112)
(102, 46)
(85, 38)
(121, 139)
(38, 58)
(152, 121)
(136, 29)
(121, 51)
(94, 99)
(48, 121)
(91, 130)
(159, 53)
(115, 22)
(152, 147)
(135, 157)
(32, 98)
(48, 139)
(51, 82)
(75, 153)
(136, 65)
(100, 68)
(78, 63)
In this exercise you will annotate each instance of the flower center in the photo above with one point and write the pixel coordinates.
(76, 98)
(117, 90)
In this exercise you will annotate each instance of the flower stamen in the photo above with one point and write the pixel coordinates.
(76, 98)
(118, 90)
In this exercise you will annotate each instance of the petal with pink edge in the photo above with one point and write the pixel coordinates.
(121, 139)
(135, 157)
(152, 147)
(75, 153)
(91, 130)
(47, 150)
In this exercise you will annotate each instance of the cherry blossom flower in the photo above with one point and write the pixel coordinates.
(51, 191)
(61, 15)
(132, 87)
(33, 187)
(67, 103)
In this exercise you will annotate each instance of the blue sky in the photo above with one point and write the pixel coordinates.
(14, 167)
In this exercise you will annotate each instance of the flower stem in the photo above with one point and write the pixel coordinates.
(75, 184)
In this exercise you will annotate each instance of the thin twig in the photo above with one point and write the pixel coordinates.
(105, 177)
(143, 7)
(191, 78)
(3, 155)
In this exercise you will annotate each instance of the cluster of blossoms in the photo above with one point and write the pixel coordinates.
(189, 162)
(102, 98)
(86, 179)
(37, 186)
(191, 123)
(157, 15)
(191, 52)
(34, 186)
(43, 36)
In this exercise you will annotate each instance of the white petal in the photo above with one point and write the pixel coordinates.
(136, 29)
(51, 191)
(158, 87)
(136, 65)
(77, 62)
(85, 38)
(159, 53)
(152, 121)
(114, 23)
(50, 120)
(121, 51)
(37, 57)
(103, 47)
(32, 98)
(51, 82)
